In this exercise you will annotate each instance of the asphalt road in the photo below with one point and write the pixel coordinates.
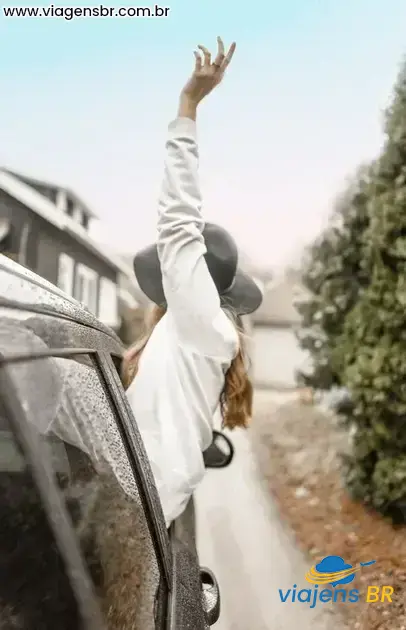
(241, 538)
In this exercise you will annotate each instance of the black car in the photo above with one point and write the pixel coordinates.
(83, 542)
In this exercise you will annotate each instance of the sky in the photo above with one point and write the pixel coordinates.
(86, 103)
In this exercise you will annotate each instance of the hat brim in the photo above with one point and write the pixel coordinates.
(244, 296)
(147, 271)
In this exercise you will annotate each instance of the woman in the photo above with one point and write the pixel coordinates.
(191, 361)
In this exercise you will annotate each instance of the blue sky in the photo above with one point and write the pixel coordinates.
(86, 103)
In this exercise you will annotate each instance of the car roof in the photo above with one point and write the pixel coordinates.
(23, 288)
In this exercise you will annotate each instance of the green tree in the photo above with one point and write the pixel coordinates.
(370, 357)
(333, 277)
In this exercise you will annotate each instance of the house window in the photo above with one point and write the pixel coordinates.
(85, 221)
(61, 200)
(77, 214)
(65, 273)
(108, 303)
(69, 207)
(22, 254)
(86, 282)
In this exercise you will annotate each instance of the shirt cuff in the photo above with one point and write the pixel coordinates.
(183, 127)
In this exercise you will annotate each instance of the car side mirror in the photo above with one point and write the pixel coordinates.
(220, 452)
(211, 596)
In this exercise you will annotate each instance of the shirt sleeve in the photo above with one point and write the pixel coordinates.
(192, 299)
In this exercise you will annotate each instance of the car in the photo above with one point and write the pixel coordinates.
(83, 538)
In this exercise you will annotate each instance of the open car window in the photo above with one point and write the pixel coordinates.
(59, 416)
(35, 587)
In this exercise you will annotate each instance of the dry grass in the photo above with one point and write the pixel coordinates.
(298, 448)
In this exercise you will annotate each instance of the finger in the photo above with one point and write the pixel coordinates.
(206, 55)
(229, 56)
(220, 53)
(198, 64)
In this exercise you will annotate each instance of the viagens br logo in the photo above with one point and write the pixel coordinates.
(329, 580)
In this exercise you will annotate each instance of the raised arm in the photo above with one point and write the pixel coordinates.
(192, 298)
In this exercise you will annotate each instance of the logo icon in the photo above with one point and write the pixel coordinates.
(333, 570)
(328, 581)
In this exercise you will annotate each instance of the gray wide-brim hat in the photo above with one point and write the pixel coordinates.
(236, 288)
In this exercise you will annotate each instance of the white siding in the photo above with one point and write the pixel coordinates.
(65, 273)
(276, 357)
(108, 303)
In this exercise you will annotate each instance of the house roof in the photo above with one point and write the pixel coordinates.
(32, 181)
(278, 307)
(43, 207)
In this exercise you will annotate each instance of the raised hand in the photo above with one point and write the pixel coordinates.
(207, 74)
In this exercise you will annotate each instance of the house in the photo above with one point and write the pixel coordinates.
(276, 354)
(46, 228)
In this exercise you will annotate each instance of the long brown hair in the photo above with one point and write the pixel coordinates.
(237, 395)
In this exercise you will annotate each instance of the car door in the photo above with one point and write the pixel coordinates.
(188, 598)
(193, 591)
(70, 422)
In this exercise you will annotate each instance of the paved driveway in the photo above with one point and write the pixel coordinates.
(242, 539)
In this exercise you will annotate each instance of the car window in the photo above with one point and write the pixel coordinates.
(35, 590)
(103, 498)
(67, 402)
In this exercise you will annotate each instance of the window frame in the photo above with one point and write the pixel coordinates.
(77, 214)
(66, 265)
(131, 440)
(23, 246)
(86, 283)
(105, 284)
(134, 446)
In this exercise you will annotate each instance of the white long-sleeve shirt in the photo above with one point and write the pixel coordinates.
(176, 391)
